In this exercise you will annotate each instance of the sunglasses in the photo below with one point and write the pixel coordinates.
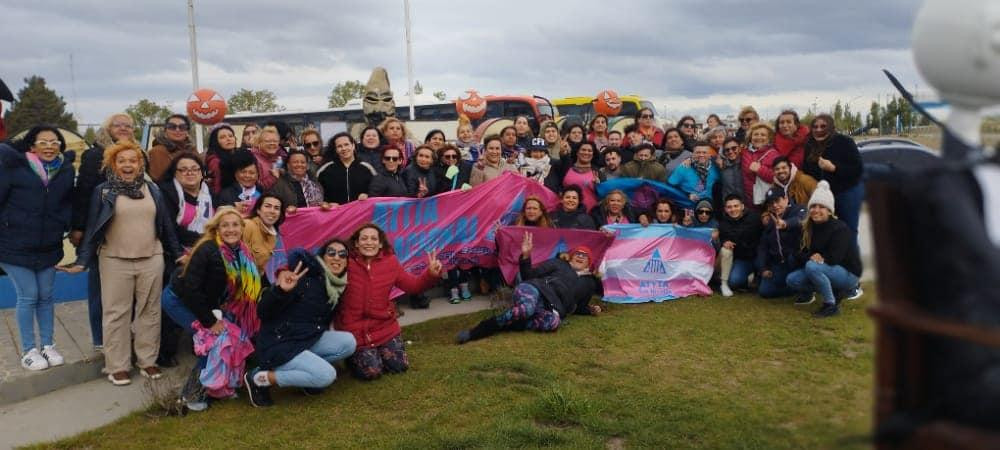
(334, 253)
(312, 144)
(746, 120)
(390, 158)
(176, 126)
(646, 116)
(704, 212)
(585, 254)
(687, 125)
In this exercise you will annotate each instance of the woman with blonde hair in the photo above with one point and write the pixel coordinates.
(270, 156)
(220, 275)
(533, 214)
(466, 143)
(130, 232)
(757, 163)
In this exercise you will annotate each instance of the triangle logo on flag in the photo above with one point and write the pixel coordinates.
(655, 264)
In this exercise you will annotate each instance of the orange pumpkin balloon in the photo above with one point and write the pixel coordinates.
(474, 106)
(608, 103)
(206, 107)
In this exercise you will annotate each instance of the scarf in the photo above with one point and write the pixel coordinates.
(131, 189)
(203, 207)
(334, 285)
(45, 170)
(243, 285)
(701, 169)
(311, 190)
(536, 169)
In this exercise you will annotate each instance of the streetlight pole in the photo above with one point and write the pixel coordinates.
(194, 69)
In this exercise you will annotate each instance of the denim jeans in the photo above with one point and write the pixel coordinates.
(848, 204)
(742, 268)
(180, 314)
(34, 301)
(775, 286)
(823, 279)
(312, 368)
(94, 309)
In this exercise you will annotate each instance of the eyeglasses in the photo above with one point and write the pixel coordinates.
(449, 156)
(176, 126)
(732, 147)
(584, 254)
(704, 212)
(334, 253)
(47, 143)
(311, 144)
(746, 119)
(391, 158)
(124, 125)
(687, 125)
(646, 116)
(188, 170)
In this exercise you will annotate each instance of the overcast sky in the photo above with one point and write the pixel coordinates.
(688, 56)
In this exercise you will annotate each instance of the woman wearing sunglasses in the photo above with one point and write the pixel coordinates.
(550, 292)
(168, 144)
(646, 125)
(297, 344)
(36, 184)
(389, 181)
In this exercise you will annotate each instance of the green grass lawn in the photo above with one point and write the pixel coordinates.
(703, 372)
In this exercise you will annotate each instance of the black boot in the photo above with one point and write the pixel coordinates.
(483, 329)
(420, 301)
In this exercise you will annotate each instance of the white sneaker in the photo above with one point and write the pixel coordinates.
(858, 292)
(33, 360)
(52, 356)
(726, 292)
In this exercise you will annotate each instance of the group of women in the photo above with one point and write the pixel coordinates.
(178, 241)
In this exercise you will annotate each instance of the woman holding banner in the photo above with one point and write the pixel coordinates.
(571, 213)
(551, 291)
(614, 209)
(367, 311)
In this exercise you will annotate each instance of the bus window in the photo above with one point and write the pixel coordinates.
(352, 116)
(446, 112)
(629, 109)
(516, 108)
(574, 110)
(545, 110)
(493, 110)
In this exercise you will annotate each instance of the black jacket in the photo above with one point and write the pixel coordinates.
(444, 184)
(836, 243)
(412, 175)
(561, 288)
(387, 184)
(781, 247)
(186, 237)
(744, 232)
(843, 152)
(89, 177)
(291, 322)
(578, 219)
(342, 184)
(102, 211)
(33, 216)
(201, 285)
(230, 195)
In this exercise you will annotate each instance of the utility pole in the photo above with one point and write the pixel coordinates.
(194, 70)
(72, 82)
(409, 56)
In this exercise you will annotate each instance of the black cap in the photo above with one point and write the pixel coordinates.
(773, 194)
(538, 144)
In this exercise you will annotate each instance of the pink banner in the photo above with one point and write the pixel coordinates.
(460, 225)
(547, 244)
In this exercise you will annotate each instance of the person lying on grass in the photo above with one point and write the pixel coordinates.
(297, 345)
(551, 291)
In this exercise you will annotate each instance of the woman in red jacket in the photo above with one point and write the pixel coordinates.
(366, 310)
(758, 158)
(791, 138)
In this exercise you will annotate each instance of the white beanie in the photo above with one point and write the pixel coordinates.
(822, 196)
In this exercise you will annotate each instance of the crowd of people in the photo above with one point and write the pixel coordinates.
(176, 241)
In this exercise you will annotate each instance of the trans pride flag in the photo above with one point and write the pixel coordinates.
(548, 244)
(657, 263)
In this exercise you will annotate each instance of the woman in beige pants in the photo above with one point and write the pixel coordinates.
(129, 229)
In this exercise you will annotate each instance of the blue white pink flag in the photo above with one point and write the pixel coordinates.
(657, 263)
(643, 193)
(548, 243)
